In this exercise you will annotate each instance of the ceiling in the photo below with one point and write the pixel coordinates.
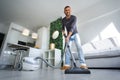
(37, 13)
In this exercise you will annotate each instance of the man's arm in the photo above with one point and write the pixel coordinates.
(72, 26)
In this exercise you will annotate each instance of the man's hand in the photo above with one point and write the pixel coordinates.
(67, 39)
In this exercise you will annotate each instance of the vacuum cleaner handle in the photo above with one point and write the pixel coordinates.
(74, 62)
(63, 52)
(65, 35)
(67, 45)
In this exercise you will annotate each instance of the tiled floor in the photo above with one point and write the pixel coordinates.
(56, 74)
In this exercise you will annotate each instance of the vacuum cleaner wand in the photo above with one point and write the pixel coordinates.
(75, 69)
(74, 63)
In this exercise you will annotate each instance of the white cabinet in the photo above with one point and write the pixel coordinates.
(15, 34)
(53, 57)
(34, 52)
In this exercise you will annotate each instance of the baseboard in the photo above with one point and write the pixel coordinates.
(104, 68)
(6, 67)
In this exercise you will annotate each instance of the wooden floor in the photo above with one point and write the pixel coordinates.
(57, 74)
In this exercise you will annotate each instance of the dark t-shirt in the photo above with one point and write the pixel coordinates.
(70, 24)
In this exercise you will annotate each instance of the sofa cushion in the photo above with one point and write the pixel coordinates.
(103, 54)
(88, 47)
(115, 52)
(103, 44)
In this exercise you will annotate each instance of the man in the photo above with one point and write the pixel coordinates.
(69, 22)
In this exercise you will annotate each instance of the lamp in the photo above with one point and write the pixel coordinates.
(52, 46)
(26, 32)
(34, 35)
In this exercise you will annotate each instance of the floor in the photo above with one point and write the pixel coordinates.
(57, 74)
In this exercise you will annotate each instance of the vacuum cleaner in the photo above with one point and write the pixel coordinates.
(30, 64)
(74, 69)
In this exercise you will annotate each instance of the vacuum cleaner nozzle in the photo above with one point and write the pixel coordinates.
(76, 70)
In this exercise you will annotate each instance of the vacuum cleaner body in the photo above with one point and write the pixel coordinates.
(29, 63)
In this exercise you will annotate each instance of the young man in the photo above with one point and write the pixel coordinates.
(69, 22)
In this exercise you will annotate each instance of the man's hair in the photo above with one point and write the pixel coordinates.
(67, 7)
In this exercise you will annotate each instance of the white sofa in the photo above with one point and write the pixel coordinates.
(102, 54)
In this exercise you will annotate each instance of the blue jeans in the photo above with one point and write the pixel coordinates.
(77, 41)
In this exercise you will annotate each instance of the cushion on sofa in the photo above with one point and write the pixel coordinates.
(88, 47)
(103, 44)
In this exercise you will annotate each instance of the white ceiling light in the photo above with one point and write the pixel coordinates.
(34, 35)
(26, 32)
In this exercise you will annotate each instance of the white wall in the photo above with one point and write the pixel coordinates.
(93, 20)
(4, 28)
(43, 38)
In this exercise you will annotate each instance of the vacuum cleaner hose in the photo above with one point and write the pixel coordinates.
(61, 62)
(54, 67)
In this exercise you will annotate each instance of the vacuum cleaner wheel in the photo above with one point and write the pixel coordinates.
(76, 70)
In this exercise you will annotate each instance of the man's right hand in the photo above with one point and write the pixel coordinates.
(67, 39)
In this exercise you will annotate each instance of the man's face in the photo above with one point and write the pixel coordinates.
(67, 11)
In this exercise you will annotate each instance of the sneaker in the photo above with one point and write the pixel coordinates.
(83, 66)
(65, 67)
